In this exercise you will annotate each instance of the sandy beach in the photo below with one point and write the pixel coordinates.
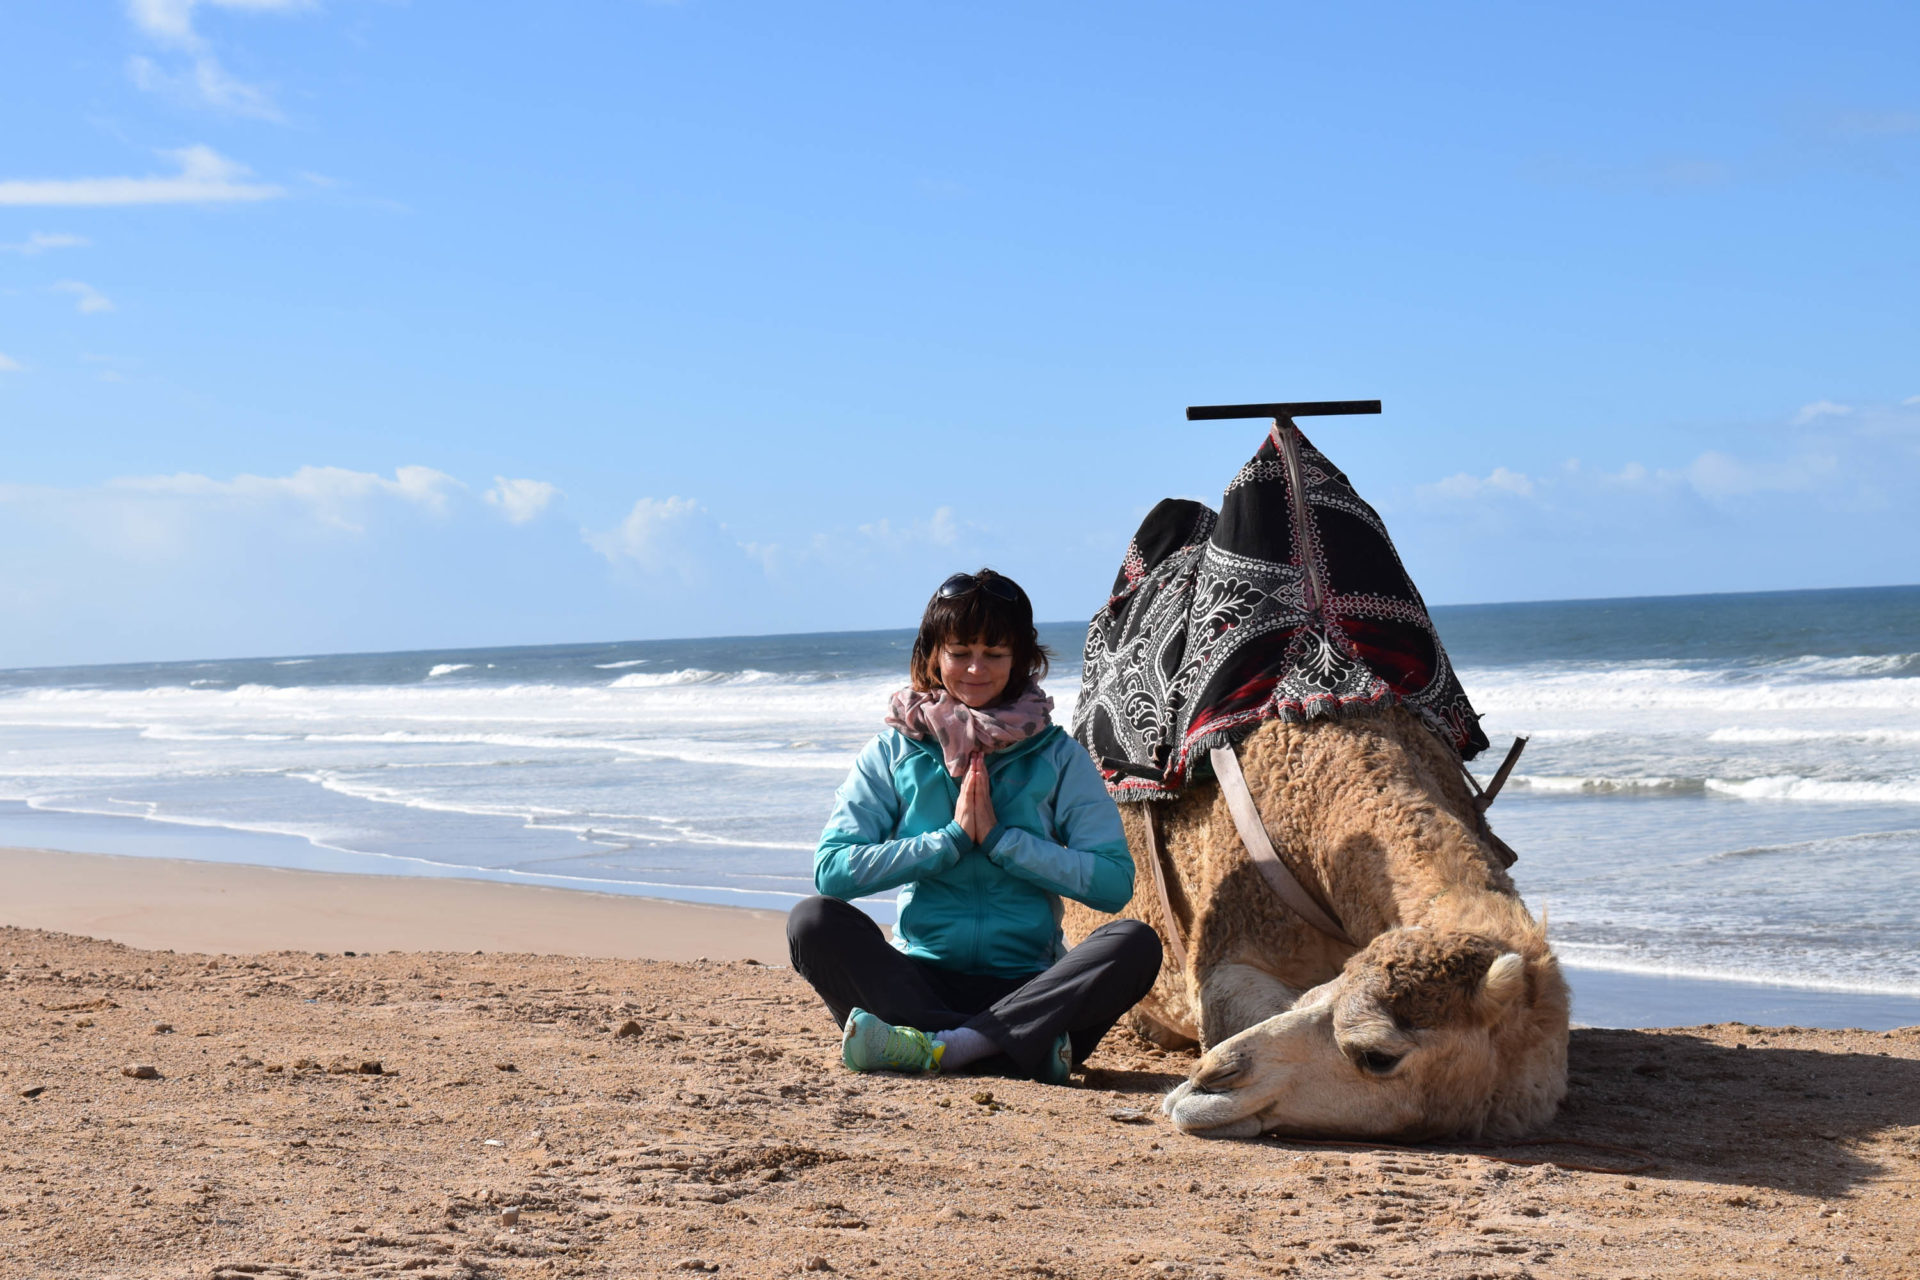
(585, 1096)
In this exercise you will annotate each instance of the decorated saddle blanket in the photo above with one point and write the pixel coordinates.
(1290, 602)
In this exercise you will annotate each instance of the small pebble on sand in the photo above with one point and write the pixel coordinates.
(817, 1264)
(33, 1091)
(141, 1071)
(628, 1029)
(509, 1215)
(162, 1028)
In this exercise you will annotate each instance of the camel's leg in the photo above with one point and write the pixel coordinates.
(1154, 1031)
(1235, 996)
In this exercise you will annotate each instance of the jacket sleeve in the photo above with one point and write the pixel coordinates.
(1094, 866)
(857, 855)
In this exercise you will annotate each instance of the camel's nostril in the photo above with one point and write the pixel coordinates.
(1212, 1075)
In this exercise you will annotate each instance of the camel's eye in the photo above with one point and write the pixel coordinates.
(1378, 1063)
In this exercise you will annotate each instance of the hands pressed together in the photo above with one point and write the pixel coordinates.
(974, 810)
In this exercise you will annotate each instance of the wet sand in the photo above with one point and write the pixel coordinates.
(169, 903)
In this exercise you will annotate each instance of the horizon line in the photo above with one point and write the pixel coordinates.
(777, 635)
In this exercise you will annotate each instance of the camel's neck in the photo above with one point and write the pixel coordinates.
(1391, 830)
(1439, 875)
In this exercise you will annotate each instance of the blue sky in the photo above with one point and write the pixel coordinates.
(360, 324)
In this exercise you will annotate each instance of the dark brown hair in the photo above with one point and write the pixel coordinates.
(979, 615)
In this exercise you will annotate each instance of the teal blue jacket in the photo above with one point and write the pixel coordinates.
(991, 907)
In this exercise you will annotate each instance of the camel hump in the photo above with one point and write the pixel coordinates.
(1290, 604)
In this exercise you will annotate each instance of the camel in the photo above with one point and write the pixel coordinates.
(1448, 1017)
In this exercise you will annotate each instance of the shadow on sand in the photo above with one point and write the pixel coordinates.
(1758, 1112)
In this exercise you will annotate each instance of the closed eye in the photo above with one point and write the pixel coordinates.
(1375, 1062)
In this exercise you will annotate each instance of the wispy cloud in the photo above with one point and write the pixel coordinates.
(205, 177)
(1468, 487)
(671, 537)
(1720, 477)
(87, 299)
(9, 365)
(1674, 173)
(1820, 409)
(331, 494)
(41, 241)
(939, 529)
(520, 500)
(1874, 124)
(199, 73)
(1842, 459)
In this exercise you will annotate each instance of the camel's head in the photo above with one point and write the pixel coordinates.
(1423, 1034)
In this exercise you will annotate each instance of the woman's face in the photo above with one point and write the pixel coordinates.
(975, 673)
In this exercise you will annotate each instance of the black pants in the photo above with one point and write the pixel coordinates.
(840, 950)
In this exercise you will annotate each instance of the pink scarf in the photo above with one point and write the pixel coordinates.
(961, 730)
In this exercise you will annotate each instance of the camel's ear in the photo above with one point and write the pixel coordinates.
(1506, 981)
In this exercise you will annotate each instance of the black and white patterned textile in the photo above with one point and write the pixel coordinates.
(1272, 608)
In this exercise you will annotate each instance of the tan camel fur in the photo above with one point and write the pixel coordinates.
(1450, 1019)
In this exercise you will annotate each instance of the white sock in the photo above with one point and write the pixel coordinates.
(963, 1045)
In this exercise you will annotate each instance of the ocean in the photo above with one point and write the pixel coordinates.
(1718, 788)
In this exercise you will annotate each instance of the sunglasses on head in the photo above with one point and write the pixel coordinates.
(961, 583)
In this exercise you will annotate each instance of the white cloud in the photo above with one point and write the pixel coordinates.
(169, 24)
(1719, 476)
(9, 365)
(1852, 459)
(1464, 488)
(1911, 401)
(334, 495)
(188, 518)
(1875, 124)
(1820, 409)
(87, 299)
(520, 500)
(41, 241)
(668, 536)
(205, 177)
(940, 529)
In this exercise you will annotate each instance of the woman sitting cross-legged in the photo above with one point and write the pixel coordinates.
(984, 814)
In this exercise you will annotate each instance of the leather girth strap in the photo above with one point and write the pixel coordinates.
(1157, 860)
(1176, 936)
(1253, 834)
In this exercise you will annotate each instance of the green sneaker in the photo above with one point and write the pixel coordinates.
(872, 1045)
(1057, 1066)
